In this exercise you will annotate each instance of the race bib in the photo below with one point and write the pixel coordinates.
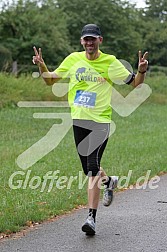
(85, 99)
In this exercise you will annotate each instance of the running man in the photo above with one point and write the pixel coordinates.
(91, 73)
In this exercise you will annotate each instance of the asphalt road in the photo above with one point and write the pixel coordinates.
(135, 222)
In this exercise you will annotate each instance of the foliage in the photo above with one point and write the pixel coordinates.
(154, 31)
(158, 70)
(41, 26)
(157, 9)
(27, 88)
(117, 22)
(5, 58)
(55, 26)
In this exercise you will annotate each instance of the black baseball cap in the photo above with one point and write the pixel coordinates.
(90, 30)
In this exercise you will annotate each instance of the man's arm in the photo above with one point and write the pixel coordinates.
(142, 68)
(49, 77)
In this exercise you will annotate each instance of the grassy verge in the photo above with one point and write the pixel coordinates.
(26, 87)
(138, 144)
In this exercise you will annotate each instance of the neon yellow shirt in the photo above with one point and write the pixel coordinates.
(90, 85)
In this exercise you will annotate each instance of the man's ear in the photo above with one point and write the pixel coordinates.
(101, 40)
(81, 41)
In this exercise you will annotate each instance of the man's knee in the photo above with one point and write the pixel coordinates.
(93, 171)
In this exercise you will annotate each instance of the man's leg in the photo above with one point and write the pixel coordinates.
(94, 191)
(110, 184)
(97, 142)
(103, 175)
(93, 201)
(91, 139)
(94, 185)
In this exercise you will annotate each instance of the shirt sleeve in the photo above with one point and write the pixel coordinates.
(119, 74)
(63, 70)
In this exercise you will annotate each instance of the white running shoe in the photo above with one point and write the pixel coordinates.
(89, 226)
(108, 192)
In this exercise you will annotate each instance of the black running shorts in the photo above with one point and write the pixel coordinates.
(90, 139)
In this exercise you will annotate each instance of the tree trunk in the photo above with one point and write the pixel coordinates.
(14, 68)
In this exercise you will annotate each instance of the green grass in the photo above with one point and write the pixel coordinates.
(25, 87)
(138, 144)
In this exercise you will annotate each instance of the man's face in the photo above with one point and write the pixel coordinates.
(91, 44)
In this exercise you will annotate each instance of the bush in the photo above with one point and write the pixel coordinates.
(160, 70)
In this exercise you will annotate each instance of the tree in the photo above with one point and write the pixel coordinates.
(155, 40)
(157, 9)
(154, 31)
(117, 20)
(55, 25)
(43, 26)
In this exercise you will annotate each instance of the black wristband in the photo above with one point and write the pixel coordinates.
(130, 78)
(142, 72)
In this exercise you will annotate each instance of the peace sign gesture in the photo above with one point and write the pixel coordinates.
(143, 62)
(37, 59)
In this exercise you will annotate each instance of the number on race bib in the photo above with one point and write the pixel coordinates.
(85, 99)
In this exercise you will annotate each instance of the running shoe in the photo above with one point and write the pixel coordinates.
(108, 191)
(89, 226)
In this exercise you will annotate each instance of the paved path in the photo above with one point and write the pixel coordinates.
(135, 222)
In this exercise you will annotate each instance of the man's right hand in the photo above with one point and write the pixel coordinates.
(37, 59)
(49, 77)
